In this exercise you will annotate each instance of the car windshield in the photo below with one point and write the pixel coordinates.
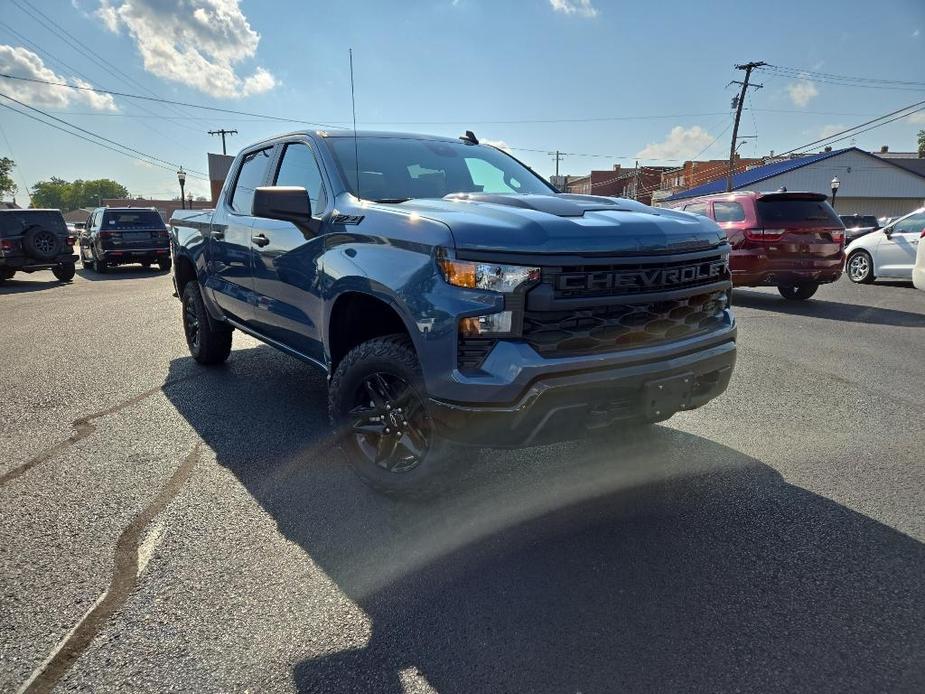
(395, 169)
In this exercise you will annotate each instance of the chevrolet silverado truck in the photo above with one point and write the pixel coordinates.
(452, 296)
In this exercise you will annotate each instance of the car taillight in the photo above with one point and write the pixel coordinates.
(838, 235)
(7, 245)
(764, 234)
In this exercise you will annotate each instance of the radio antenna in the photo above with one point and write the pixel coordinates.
(356, 147)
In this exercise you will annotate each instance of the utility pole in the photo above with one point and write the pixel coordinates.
(223, 132)
(748, 67)
(636, 182)
(558, 156)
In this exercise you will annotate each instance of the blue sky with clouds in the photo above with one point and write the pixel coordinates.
(622, 79)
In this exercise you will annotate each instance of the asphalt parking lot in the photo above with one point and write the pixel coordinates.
(165, 526)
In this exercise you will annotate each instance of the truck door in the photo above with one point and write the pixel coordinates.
(287, 260)
(230, 248)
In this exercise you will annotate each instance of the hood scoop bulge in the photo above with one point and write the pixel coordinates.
(550, 204)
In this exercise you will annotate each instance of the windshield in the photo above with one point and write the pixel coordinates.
(396, 169)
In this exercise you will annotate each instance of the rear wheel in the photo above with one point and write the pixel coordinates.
(6, 275)
(378, 407)
(146, 264)
(860, 267)
(165, 264)
(209, 341)
(64, 273)
(799, 292)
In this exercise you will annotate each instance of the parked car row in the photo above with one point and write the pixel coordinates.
(33, 240)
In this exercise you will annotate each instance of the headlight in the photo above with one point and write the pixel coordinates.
(497, 278)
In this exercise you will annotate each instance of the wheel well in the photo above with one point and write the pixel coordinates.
(183, 271)
(357, 318)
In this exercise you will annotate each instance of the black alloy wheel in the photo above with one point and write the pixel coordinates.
(389, 424)
(191, 325)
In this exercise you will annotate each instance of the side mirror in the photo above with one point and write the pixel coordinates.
(287, 203)
(888, 232)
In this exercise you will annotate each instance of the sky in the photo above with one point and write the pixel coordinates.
(615, 79)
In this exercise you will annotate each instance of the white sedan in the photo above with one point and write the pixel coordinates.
(888, 253)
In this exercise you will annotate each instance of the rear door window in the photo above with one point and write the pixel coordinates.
(252, 174)
(728, 212)
(783, 212)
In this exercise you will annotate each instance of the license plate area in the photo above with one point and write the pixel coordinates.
(135, 236)
(666, 396)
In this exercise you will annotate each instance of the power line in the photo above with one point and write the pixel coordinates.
(164, 101)
(829, 75)
(95, 142)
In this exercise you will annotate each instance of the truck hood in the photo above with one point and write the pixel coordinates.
(581, 224)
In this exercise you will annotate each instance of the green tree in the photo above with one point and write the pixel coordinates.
(7, 187)
(67, 196)
(921, 143)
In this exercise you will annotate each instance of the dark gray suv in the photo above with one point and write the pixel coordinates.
(32, 240)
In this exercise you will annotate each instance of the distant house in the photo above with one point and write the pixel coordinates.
(869, 184)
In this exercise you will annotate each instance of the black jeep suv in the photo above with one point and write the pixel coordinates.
(33, 240)
(122, 235)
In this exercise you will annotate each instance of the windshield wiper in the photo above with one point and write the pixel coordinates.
(392, 200)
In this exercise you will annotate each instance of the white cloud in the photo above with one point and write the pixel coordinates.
(21, 62)
(581, 8)
(500, 144)
(680, 144)
(802, 92)
(195, 42)
(916, 33)
(831, 129)
(916, 118)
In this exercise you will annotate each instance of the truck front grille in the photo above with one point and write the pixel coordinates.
(622, 326)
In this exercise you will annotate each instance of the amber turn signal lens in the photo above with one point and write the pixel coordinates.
(458, 273)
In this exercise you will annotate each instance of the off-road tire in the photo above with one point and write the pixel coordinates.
(209, 341)
(64, 273)
(860, 259)
(799, 292)
(165, 265)
(41, 244)
(394, 355)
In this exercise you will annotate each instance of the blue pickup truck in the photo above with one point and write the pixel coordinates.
(452, 296)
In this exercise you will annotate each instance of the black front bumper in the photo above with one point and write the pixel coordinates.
(566, 406)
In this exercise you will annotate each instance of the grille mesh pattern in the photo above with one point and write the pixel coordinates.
(612, 328)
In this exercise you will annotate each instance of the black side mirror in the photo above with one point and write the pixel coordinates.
(888, 232)
(287, 203)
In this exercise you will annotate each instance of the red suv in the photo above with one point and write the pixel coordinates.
(792, 241)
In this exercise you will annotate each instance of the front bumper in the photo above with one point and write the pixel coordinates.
(566, 405)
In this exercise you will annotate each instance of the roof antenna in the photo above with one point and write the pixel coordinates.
(356, 147)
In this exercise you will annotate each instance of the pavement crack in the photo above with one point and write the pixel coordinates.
(123, 582)
(83, 427)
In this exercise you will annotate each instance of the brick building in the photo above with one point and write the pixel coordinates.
(697, 173)
(595, 183)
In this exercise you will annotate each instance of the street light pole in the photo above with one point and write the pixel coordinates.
(835, 184)
(181, 176)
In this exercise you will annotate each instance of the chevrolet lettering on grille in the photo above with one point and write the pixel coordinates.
(656, 278)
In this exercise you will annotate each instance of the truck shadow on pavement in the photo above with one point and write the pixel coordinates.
(22, 286)
(120, 272)
(829, 310)
(667, 562)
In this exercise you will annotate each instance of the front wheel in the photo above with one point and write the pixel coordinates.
(378, 407)
(860, 268)
(799, 292)
(64, 273)
(209, 342)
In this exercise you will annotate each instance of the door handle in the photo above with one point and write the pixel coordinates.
(218, 234)
(260, 239)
